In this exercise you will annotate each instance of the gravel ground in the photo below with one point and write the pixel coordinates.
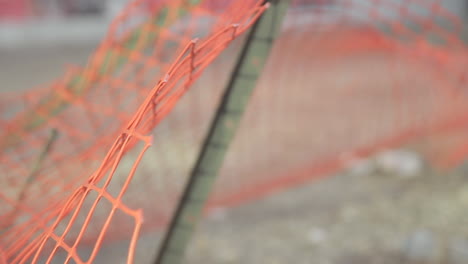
(349, 218)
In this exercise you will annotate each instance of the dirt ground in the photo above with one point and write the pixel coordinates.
(349, 218)
(346, 219)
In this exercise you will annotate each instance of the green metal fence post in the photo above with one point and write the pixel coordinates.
(223, 127)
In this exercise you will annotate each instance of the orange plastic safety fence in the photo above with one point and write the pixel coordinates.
(346, 79)
(57, 195)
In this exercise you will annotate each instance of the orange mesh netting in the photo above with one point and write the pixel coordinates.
(346, 79)
(49, 206)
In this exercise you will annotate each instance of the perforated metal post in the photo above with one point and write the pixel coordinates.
(223, 127)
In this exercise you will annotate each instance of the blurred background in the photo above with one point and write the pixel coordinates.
(390, 208)
(52, 22)
(55, 21)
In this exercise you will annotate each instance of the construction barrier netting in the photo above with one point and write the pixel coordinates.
(103, 152)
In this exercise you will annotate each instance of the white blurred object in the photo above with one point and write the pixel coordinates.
(356, 165)
(421, 246)
(114, 7)
(400, 162)
(317, 235)
(361, 167)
